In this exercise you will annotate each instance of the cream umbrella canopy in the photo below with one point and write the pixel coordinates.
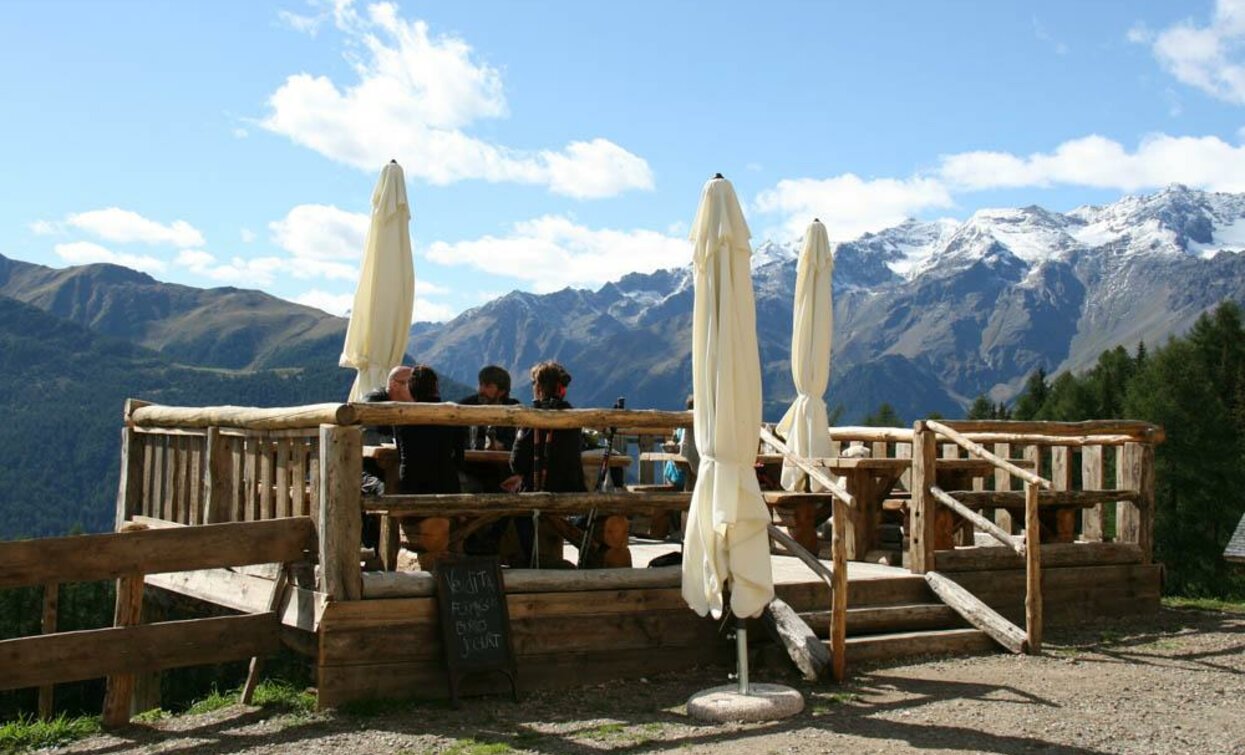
(380, 321)
(805, 425)
(727, 538)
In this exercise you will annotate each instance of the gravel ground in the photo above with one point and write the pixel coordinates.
(1173, 683)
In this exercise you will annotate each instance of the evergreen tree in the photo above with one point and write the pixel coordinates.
(885, 416)
(1034, 395)
(982, 408)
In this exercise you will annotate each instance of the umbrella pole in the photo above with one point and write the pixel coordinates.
(741, 651)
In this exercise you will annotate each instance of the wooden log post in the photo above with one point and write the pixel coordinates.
(130, 486)
(1064, 520)
(923, 505)
(129, 612)
(1003, 481)
(1093, 477)
(340, 521)
(1135, 521)
(807, 652)
(51, 604)
(217, 469)
(1033, 571)
(838, 593)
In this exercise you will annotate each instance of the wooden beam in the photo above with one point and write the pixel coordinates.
(1093, 522)
(95, 653)
(341, 523)
(1142, 430)
(980, 451)
(977, 613)
(120, 689)
(1015, 499)
(850, 433)
(300, 608)
(85, 558)
(403, 413)
(248, 417)
(1033, 571)
(1051, 440)
(1053, 555)
(422, 584)
(1135, 521)
(130, 484)
(813, 470)
(807, 652)
(217, 472)
(838, 594)
(978, 520)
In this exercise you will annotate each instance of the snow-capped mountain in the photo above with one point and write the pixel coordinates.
(927, 314)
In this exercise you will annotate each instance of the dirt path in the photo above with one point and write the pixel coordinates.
(1172, 684)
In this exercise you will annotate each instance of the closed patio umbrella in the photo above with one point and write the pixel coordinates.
(380, 321)
(805, 425)
(727, 539)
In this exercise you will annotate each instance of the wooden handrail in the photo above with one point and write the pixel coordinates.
(977, 519)
(812, 470)
(980, 451)
(1142, 432)
(401, 413)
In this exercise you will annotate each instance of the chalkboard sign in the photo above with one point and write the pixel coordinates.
(475, 622)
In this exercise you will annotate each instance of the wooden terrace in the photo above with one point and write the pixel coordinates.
(950, 537)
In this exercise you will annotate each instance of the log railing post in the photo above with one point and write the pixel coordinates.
(120, 690)
(1061, 475)
(1003, 481)
(340, 520)
(1093, 524)
(1033, 570)
(130, 486)
(1135, 521)
(838, 593)
(217, 471)
(51, 604)
(921, 540)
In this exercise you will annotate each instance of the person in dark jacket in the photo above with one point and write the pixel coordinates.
(430, 455)
(492, 388)
(545, 460)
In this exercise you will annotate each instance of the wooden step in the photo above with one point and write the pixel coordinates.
(901, 618)
(903, 589)
(880, 647)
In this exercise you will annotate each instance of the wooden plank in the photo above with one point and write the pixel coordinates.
(158, 501)
(922, 538)
(281, 473)
(977, 613)
(86, 558)
(181, 474)
(195, 480)
(298, 478)
(51, 604)
(1061, 475)
(237, 480)
(904, 451)
(300, 608)
(875, 619)
(250, 480)
(1090, 427)
(1015, 499)
(120, 688)
(267, 506)
(1033, 571)
(1003, 481)
(1053, 555)
(149, 465)
(981, 452)
(907, 644)
(340, 513)
(855, 433)
(215, 482)
(95, 653)
(1093, 477)
(279, 418)
(313, 483)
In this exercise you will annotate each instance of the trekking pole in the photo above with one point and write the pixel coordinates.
(621, 403)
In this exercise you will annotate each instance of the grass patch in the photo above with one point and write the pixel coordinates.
(273, 693)
(29, 733)
(213, 702)
(1205, 604)
(474, 747)
(151, 716)
(604, 730)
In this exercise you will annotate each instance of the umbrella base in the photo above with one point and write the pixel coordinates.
(765, 702)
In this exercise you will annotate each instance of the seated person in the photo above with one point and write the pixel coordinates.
(430, 455)
(684, 477)
(373, 482)
(546, 460)
(492, 388)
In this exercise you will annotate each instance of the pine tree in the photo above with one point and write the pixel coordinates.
(885, 416)
(1034, 395)
(981, 408)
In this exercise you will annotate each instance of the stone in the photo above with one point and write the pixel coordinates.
(765, 702)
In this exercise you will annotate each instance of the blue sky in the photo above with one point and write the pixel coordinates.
(549, 144)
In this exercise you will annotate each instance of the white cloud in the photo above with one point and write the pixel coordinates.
(849, 205)
(340, 304)
(256, 271)
(428, 288)
(1043, 35)
(321, 232)
(240, 133)
(1206, 57)
(414, 95)
(247, 235)
(430, 311)
(552, 252)
(87, 253)
(126, 226)
(1206, 162)
(45, 228)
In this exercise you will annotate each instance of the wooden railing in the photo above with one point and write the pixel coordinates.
(131, 648)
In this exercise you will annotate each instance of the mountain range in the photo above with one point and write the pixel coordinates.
(928, 315)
